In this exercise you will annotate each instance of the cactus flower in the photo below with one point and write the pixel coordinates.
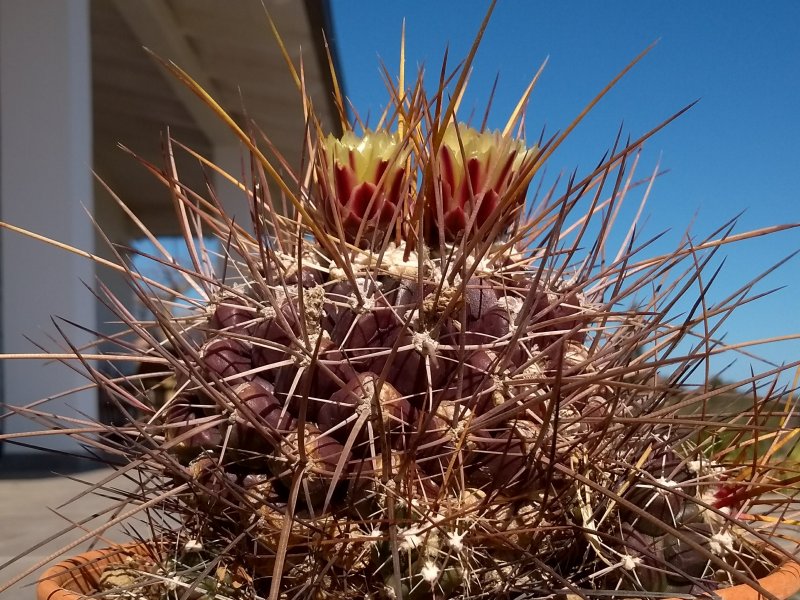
(365, 179)
(475, 170)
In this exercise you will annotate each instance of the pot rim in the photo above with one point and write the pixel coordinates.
(782, 583)
(73, 578)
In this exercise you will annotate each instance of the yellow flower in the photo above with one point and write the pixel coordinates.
(366, 179)
(476, 170)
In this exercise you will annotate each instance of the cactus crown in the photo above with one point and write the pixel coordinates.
(415, 383)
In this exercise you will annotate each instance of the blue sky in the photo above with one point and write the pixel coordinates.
(735, 151)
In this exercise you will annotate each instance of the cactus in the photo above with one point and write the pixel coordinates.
(420, 383)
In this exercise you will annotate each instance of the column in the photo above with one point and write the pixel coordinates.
(45, 186)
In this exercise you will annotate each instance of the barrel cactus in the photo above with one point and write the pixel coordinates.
(424, 380)
(415, 388)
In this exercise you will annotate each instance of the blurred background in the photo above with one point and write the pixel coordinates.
(75, 83)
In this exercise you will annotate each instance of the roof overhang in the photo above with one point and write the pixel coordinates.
(228, 48)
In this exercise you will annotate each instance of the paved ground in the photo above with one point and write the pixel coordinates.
(30, 513)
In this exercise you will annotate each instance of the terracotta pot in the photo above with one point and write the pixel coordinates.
(782, 583)
(78, 576)
(72, 579)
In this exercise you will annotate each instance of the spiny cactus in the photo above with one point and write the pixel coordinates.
(421, 382)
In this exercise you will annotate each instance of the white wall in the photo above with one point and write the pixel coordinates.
(45, 186)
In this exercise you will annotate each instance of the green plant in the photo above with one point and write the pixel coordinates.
(407, 381)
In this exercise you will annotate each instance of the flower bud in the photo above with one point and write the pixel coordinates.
(232, 314)
(278, 334)
(225, 357)
(261, 421)
(321, 453)
(187, 432)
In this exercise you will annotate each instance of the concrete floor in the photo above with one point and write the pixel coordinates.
(30, 513)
